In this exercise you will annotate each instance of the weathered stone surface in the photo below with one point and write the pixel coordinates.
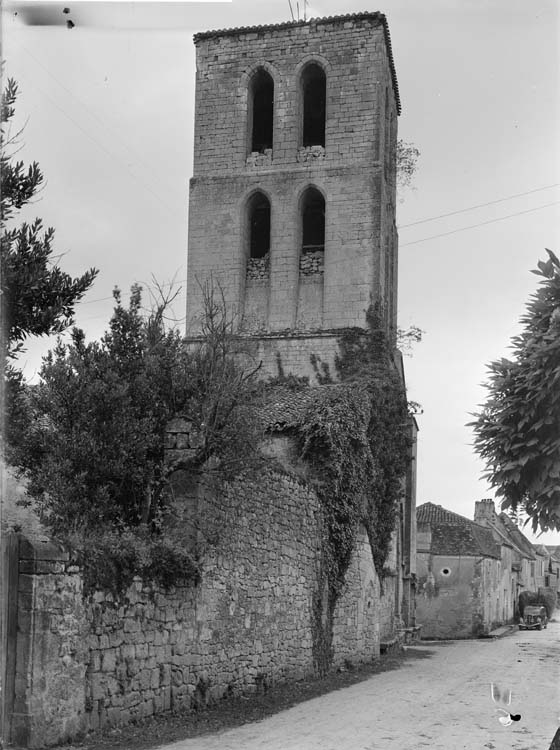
(354, 169)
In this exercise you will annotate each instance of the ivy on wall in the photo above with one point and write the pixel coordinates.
(355, 440)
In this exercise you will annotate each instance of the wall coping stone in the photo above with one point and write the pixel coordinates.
(42, 550)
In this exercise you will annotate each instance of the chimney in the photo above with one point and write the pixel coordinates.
(484, 511)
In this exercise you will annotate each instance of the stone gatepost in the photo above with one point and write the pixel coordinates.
(50, 648)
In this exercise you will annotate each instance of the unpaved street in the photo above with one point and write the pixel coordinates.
(441, 701)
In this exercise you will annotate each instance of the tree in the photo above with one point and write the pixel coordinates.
(93, 450)
(517, 432)
(90, 438)
(38, 298)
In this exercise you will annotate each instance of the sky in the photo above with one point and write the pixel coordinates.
(108, 112)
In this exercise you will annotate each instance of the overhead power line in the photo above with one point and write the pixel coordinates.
(479, 205)
(480, 224)
(404, 244)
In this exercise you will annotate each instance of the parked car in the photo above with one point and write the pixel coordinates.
(534, 618)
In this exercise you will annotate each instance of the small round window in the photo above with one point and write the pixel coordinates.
(445, 572)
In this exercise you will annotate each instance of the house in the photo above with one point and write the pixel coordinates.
(543, 566)
(524, 562)
(554, 568)
(460, 581)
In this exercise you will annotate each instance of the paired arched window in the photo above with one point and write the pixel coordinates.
(312, 221)
(259, 225)
(314, 96)
(313, 93)
(312, 237)
(262, 111)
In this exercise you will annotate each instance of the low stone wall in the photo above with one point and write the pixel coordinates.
(248, 624)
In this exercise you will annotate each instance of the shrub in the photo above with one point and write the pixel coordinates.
(527, 598)
(111, 559)
(547, 598)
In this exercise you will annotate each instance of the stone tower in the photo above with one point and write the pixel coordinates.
(292, 199)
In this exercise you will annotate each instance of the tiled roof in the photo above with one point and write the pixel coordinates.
(554, 550)
(468, 540)
(431, 513)
(516, 536)
(453, 534)
(286, 407)
(540, 549)
(326, 19)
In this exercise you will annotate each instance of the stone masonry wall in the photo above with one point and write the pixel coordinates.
(352, 171)
(356, 626)
(108, 661)
(245, 626)
(51, 653)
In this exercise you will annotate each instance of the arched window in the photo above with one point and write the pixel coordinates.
(261, 111)
(259, 226)
(314, 92)
(313, 221)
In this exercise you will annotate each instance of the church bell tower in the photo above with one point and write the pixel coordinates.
(292, 199)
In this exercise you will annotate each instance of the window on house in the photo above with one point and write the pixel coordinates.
(313, 222)
(259, 226)
(314, 91)
(532, 570)
(262, 111)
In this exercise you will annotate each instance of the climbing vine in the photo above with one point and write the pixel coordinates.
(355, 440)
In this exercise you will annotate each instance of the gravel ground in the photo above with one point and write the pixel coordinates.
(441, 702)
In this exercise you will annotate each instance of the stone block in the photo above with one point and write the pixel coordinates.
(108, 660)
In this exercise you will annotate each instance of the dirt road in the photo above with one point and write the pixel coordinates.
(441, 701)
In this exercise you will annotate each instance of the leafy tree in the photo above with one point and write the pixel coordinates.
(38, 298)
(518, 431)
(90, 437)
(92, 450)
(93, 447)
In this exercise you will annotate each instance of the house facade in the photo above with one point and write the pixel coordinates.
(554, 568)
(460, 587)
(471, 573)
(527, 565)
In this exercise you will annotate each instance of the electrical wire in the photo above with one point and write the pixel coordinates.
(479, 205)
(404, 244)
(480, 224)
